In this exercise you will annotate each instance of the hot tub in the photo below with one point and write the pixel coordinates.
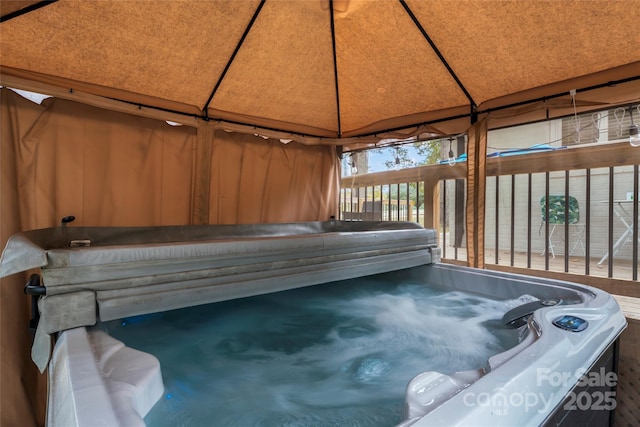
(561, 371)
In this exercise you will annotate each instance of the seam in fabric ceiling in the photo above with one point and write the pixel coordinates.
(26, 10)
(335, 64)
(232, 58)
(438, 53)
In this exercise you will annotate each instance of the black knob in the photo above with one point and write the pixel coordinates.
(68, 219)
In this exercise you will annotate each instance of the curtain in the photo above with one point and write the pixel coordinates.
(106, 168)
(21, 404)
(254, 180)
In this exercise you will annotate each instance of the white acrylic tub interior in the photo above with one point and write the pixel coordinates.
(499, 397)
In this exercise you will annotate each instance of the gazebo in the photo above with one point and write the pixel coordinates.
(263, 96)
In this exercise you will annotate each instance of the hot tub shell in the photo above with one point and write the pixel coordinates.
(530, 384)
(103, 273)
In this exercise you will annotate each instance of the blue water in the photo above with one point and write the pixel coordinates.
(339, 354)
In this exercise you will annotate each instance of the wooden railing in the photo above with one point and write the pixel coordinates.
(600, 175)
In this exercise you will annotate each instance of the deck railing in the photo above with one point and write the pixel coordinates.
(595, 188)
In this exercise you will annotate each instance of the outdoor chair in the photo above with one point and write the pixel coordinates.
(372, 210)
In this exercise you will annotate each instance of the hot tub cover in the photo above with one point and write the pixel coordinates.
(106, 273)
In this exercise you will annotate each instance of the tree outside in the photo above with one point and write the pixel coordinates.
(428, 153)
(395, 199)
(425, 153)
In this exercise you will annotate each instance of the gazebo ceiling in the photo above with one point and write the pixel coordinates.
(329, 69)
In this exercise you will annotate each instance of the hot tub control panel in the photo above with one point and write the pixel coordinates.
(571, 323)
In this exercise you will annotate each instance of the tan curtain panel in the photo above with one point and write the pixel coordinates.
(255, 180)
(21, 404)
(109, 168)
(105, 168)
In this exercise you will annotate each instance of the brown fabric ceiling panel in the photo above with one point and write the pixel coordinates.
(502, 47)
(385, 67)
(169, 50)
(367, 67)
(284, 68)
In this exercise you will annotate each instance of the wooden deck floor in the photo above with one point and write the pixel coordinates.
(628, 392)
(621, 269)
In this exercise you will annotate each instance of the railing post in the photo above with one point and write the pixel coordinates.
(614, 154)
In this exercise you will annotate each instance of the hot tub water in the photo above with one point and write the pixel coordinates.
(338, 354)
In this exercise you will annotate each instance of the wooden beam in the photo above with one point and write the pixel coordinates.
(476, 181)
(596, 156)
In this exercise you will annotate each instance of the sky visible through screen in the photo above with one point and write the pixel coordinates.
(378, 159)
